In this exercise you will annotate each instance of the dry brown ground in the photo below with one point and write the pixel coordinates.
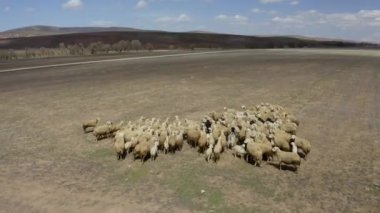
(48, 165)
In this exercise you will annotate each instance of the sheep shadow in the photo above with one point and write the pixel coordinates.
(285, 167)
(88, 130)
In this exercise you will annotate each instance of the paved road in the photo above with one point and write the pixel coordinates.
(118, 68)
(114, 60)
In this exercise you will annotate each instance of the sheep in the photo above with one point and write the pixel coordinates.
(166, 145)
(206, 124)
(192, 135)
(116, 127)
(239, 151)
(90, 123)
(303, 144)
(222, 140)
(217, 150)
(128, 133)
(292, 118)
(287, 157)
(119, 145)
(177, 122)
(153, 150)
(162, 137)
(141, 150)
(294, 147)
(216, 115)
(241, 133)
(232, 140)
(191, 124)
(210, 139)
(209, 152)
(289, 127)
(127, 146)
(133, 143)
(266, 148)
(202, 142)
(281, 139)
(254, 150)
(172, 142)
(215, 131)
(179, 140)
(102, 131)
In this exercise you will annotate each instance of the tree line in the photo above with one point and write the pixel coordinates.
(76, 50)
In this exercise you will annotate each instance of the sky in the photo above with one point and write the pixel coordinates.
(342, 19)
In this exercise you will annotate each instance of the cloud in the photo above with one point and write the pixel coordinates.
(340, 20)
(141, 4)
(270, 1)
(73, 4)
(102, 23)
(6, 9)
(234, 19)
(170, 19)
(260, 11)
(291, 2)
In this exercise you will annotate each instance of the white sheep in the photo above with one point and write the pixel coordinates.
(116, 127)
(254, 150)
(162, 137)
(287, 157)
(153, 150)
(119, 145)
(202, 142)
(239, 151)
(217, 150)
(289, 127)
(281, 139)
(179, 140)
(294, 147)
(223, 141)
(172, 142)
(128, 146)
(166, 145)
(303, 145)
(90, 123)
(209, 152)
(102, 131)
(210, 139)
(232, 140)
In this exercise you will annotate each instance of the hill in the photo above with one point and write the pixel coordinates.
(41, 30)
(50, 37)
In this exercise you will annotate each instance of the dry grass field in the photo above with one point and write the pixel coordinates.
(47, 164)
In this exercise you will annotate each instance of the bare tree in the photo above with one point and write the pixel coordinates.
(121, 46)
(106, 48)
(75, 49)
(125, 45)
(63, 49)
(136, 45)
(117, 47)
(95, 47)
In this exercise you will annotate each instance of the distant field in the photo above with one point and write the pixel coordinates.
(49, 165)
(347, 52)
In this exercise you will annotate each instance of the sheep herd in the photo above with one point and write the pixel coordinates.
(253, 134)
